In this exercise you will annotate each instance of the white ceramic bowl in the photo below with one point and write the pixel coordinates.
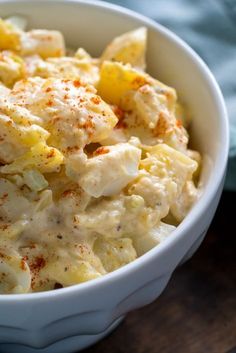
(70, 319)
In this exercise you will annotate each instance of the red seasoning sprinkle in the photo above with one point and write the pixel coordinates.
(95, 100)
(23, 265)
(101, 150)
(118, 112)
(38, 264)
(121, 124)
(89, 125)
(120, 115)
(76, 83)
(139, 81)
(162, 125)
(51, 154)
(49, 103)
(67, 193)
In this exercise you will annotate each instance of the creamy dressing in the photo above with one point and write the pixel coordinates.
(94, 163)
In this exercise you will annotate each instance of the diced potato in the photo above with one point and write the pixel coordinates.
(77, 272)
(138, 216)
(196, 156)
(73, 163)
(172, 133)
(81, 54)
(158, 193)
(168, 92)
(18, 114)
(181, 206)
(112, 168)
(128, 48)
(42, 157)
(10, 150)
(116, 80)
(71, 197)
(150, 118)
(42, 42)
(155, 236)
(148, 105)
(70, 109)
(15, 138)
(15, 274)
(9, 36)
(11, 68)
(103, 217)
(177, 165)
(12, 202)
(114, 253)
(73, 68)
(115, 136)
(64, 67)
(27, 134)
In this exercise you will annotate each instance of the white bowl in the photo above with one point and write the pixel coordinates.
(70, 319)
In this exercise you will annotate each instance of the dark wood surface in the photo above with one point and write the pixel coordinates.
(197, 311)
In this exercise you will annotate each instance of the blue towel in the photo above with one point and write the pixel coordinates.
(208, 26)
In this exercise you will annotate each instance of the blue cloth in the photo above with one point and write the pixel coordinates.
(208, 26)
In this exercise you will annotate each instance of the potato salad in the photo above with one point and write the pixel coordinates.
(95, 168)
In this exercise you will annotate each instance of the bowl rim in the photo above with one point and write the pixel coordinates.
(213, 183)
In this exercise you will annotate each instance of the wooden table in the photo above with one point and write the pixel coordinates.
(197, 311)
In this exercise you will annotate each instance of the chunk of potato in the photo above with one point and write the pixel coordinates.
(70, 109)
(152, 238)
(15, 137)
(42, 42)
(42, 157)
(13, 204)
(176, 164)
(9, 36)
(64, 67)
(110, 170)
(11, 68)
(15, 274)
(116, 80)
(129, 48)
(114, 253)
(77, 272)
